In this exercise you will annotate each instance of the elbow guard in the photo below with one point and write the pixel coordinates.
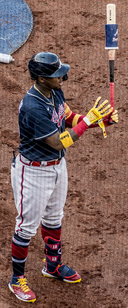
(66, 139)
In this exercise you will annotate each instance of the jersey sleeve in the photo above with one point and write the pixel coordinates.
(39, 124)
(71, 118)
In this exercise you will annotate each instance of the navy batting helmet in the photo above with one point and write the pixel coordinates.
(47, 65)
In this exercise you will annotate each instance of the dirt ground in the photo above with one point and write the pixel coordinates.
(95, 225)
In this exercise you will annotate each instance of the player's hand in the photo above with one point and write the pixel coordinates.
(114, 116)
(113, 120)
(98, 112)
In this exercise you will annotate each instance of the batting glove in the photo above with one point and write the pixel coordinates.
(101, 124)
(98, 112)
(114, 116)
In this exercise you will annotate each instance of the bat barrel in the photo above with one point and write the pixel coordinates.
(111, 28)
(111, 13)
(111, 36)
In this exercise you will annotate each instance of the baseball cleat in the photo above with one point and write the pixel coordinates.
(53, 267)
(18, 285)
(70, 277)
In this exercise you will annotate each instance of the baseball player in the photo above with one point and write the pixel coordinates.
(47, 127)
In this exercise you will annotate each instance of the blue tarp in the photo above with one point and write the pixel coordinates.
(16, 23)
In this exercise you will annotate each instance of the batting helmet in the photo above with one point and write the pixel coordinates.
(47, 65)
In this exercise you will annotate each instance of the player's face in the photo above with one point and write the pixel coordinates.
(53, 83)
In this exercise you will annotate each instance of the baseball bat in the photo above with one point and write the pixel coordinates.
(111, 20)
(111, 37)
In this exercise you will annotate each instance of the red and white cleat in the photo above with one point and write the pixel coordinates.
(18, 285)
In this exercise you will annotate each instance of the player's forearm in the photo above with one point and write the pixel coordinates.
(68, 137)
(71, 135)
(56, 140)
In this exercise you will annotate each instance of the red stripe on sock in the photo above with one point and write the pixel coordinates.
(19, 252)
(56, 234)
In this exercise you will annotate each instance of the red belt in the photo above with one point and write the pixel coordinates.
(48, 163)
(38, 163)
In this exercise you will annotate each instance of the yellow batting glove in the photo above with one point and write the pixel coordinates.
(101, 124)
(114, 116)
(98, 112)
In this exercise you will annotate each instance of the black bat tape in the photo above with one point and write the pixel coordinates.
(111, 66)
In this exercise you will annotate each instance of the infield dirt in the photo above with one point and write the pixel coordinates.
(95, 224)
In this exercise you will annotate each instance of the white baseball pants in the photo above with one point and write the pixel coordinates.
(40, 194)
